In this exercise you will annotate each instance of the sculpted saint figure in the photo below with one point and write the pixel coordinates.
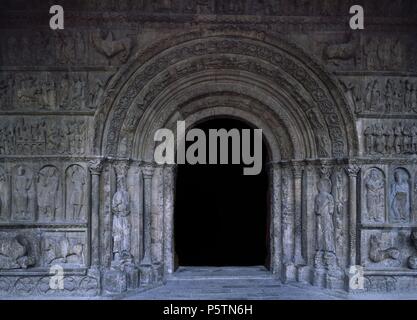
(48, 184)
(22, 185)
(324, 210)
(375, 195)
(121, 223)
(76, 200)
(400, 197)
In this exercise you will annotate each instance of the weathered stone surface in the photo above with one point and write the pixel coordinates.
(79, 108)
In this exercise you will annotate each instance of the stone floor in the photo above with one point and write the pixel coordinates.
(230, 283)
(249, 283)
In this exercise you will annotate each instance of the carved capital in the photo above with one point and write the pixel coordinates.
(148, 171)
(297, 170)
(352, 170)
(325, 171)
(95, 166)
(121, 168)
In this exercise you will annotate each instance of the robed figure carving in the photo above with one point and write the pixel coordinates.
(121, 221)
(324, 209)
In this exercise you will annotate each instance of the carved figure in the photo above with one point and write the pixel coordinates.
(400, 197)
(22, 185)
(62, 250)
(48, 184)
(378, 254)
(324, 209)
(110, 48)
(121, 223)
(15, 253)
(375, 195)
(76, 193)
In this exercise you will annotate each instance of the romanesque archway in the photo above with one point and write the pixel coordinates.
(246, 75)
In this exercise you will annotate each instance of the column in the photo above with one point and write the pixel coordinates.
(297, 170)
(275, 228)
(352, 170)
(146, 263)
(96, 167)
(169, 196)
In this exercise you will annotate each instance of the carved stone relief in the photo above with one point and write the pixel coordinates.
(63, 248)
(384, 53)
(389, 138)
(121, 228)
(116, 51)
(386, 249)
(399, 198)
(4, 195)
(15, 252)
(76, 193)
(343, 53)
(43, 136)
(379, 251)
(376, 96)
(51, 91)
(324, 207)
(23, 194)
(48, 193)
(374, 188)
(412, 260)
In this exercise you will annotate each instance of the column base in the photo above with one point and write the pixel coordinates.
(146, 275)
(114, 282)
(289, 272)
(304, 274)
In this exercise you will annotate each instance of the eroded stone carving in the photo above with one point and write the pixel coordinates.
(342, 52)
(375, 195)
(382, 53)
(62, 249)
(76, 191)
(340, 199)
(15, 252)
(379, 252)
(25, 136)
(389, 96)
(23, 194)
(48, 184)
(4, 188)
(121, 218)
(393, 140)
(111, 48)
(73, 92)
(400, 196)
(324, 206)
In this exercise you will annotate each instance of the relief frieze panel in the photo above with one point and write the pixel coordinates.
(388, 138)
(51, 91)
(44, 136)
(375, 96)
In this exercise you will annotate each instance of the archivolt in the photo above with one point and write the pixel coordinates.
(248, 75)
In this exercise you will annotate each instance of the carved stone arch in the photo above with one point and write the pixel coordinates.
(287, 72)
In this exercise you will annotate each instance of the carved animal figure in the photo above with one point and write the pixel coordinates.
(111, 48)
(15, 253)
(377, 254)
(341, 51)
(62, 251)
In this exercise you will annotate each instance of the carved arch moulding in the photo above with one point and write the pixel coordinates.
(248, 75)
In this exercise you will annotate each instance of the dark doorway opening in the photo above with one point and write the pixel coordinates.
(221, 215)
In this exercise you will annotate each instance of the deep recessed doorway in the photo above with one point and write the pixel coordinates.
(221, 216)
